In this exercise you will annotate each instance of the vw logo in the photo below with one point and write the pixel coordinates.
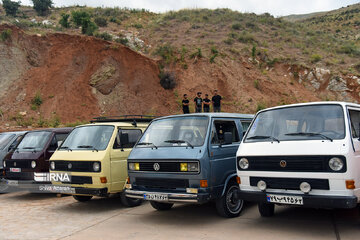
(69, 166)
(283, 163)
(156, 166)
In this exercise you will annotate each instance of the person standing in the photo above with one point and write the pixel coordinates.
(216, 101)
(198, 103)
(207, 103)
(185, 104)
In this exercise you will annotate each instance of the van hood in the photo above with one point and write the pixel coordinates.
(289, 148)
(167, 153)
(87, 155)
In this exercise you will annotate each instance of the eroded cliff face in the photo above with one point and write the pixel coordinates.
(81, 77)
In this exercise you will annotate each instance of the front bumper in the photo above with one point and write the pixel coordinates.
(172, 197)
(315, 201)
(101, 192)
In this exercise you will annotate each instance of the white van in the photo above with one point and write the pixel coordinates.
(303, 155)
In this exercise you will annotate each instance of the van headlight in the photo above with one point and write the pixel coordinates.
(33, 164)
(4, 164)
(134, 166)
(52, 165)
(96, 167)
(336, 164)
(243, 163)
(189, 167)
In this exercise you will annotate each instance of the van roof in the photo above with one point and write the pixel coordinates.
(15, 132)
(219, 115)
(118, 124)
(315, 103)
(55, 130)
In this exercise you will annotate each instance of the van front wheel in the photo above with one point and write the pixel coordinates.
(130, 202)
(161, 206)
(230, 205)
(266, 209)
(82, 198)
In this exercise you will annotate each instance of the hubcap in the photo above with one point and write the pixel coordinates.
(233, 203)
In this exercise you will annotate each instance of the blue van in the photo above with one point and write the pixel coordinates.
(189, 158)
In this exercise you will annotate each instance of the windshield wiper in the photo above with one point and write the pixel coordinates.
(309, 134)
(148, 143)
(88, 146)
(179, 141)
(69, 149)
(264, 137)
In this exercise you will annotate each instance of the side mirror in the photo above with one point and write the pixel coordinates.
(228, 136)
(124, 139)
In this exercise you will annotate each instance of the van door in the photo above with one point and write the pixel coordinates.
(123, 144)
(222, 155)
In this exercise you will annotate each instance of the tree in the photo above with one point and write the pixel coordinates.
(11, 7)
(42, 6)
(64, 21)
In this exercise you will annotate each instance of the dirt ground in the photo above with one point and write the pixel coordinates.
(45, 216)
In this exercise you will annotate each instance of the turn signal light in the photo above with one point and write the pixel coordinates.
(350, 184)
(128, 180)
(203, 183)
(103, 180)
(238, 180)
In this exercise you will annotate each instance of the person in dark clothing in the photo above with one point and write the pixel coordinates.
(185, 104)
(198, 103)
(207, 103)
(216, 101)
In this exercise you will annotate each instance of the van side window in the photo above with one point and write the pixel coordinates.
(220, 127)
(53, 144)
(355, 121)
(60, 138)
(134, 136)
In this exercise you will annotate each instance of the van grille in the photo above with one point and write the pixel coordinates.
(18, 163)
(293, 163)
(164, 166)
(75, 166)
(290, 183)
(161, 183)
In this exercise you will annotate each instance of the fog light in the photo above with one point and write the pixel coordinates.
(305, 187)
(261, 185)
(52, 165)
(183, 167)
(192, 190)
(33, 164)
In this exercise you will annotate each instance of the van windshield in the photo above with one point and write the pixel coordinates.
(312, 122)
(34, 141)
(5, 139)
(176, 132)
(88, 138)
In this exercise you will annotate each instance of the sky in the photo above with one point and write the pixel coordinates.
(274, 7)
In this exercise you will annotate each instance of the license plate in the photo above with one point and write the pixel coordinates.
(284, 199)
(15, 169)
(12, 182)
(156, 197)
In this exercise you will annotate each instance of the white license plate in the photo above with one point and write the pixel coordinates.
(284, 199)
(12, 182)
(156, 197)
(15, 169)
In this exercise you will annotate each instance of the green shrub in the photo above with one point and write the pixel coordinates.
(167, 80)
(212, 58)
(78, 17)
(5, 35)
(198, 54)
(253, 52)
(101, 21)
(349, 49)
(42, 7)
(106, 36)
(167, 52)
(214, 50)
(246, 37)
(36, 101)
(10, 7)
(64, 21)
(236, 26)
(137, 25)
(315, 58)
(229, 41)
(256, 84)
(88, 27)
(123, 41)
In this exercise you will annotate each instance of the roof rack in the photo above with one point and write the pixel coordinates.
(124, 118)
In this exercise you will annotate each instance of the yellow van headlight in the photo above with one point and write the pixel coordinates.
(189, 167)
(134, 166)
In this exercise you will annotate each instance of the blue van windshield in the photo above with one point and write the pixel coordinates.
(176, 132)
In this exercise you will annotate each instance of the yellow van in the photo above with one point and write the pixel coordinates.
(94, 156)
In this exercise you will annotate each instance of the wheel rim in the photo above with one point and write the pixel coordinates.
(233, 204)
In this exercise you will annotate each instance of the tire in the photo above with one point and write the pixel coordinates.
(80, 198)
(229, 205)
(130, 202)
(161, 206)
(266, 209)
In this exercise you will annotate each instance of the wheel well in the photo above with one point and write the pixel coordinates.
(230, 180)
